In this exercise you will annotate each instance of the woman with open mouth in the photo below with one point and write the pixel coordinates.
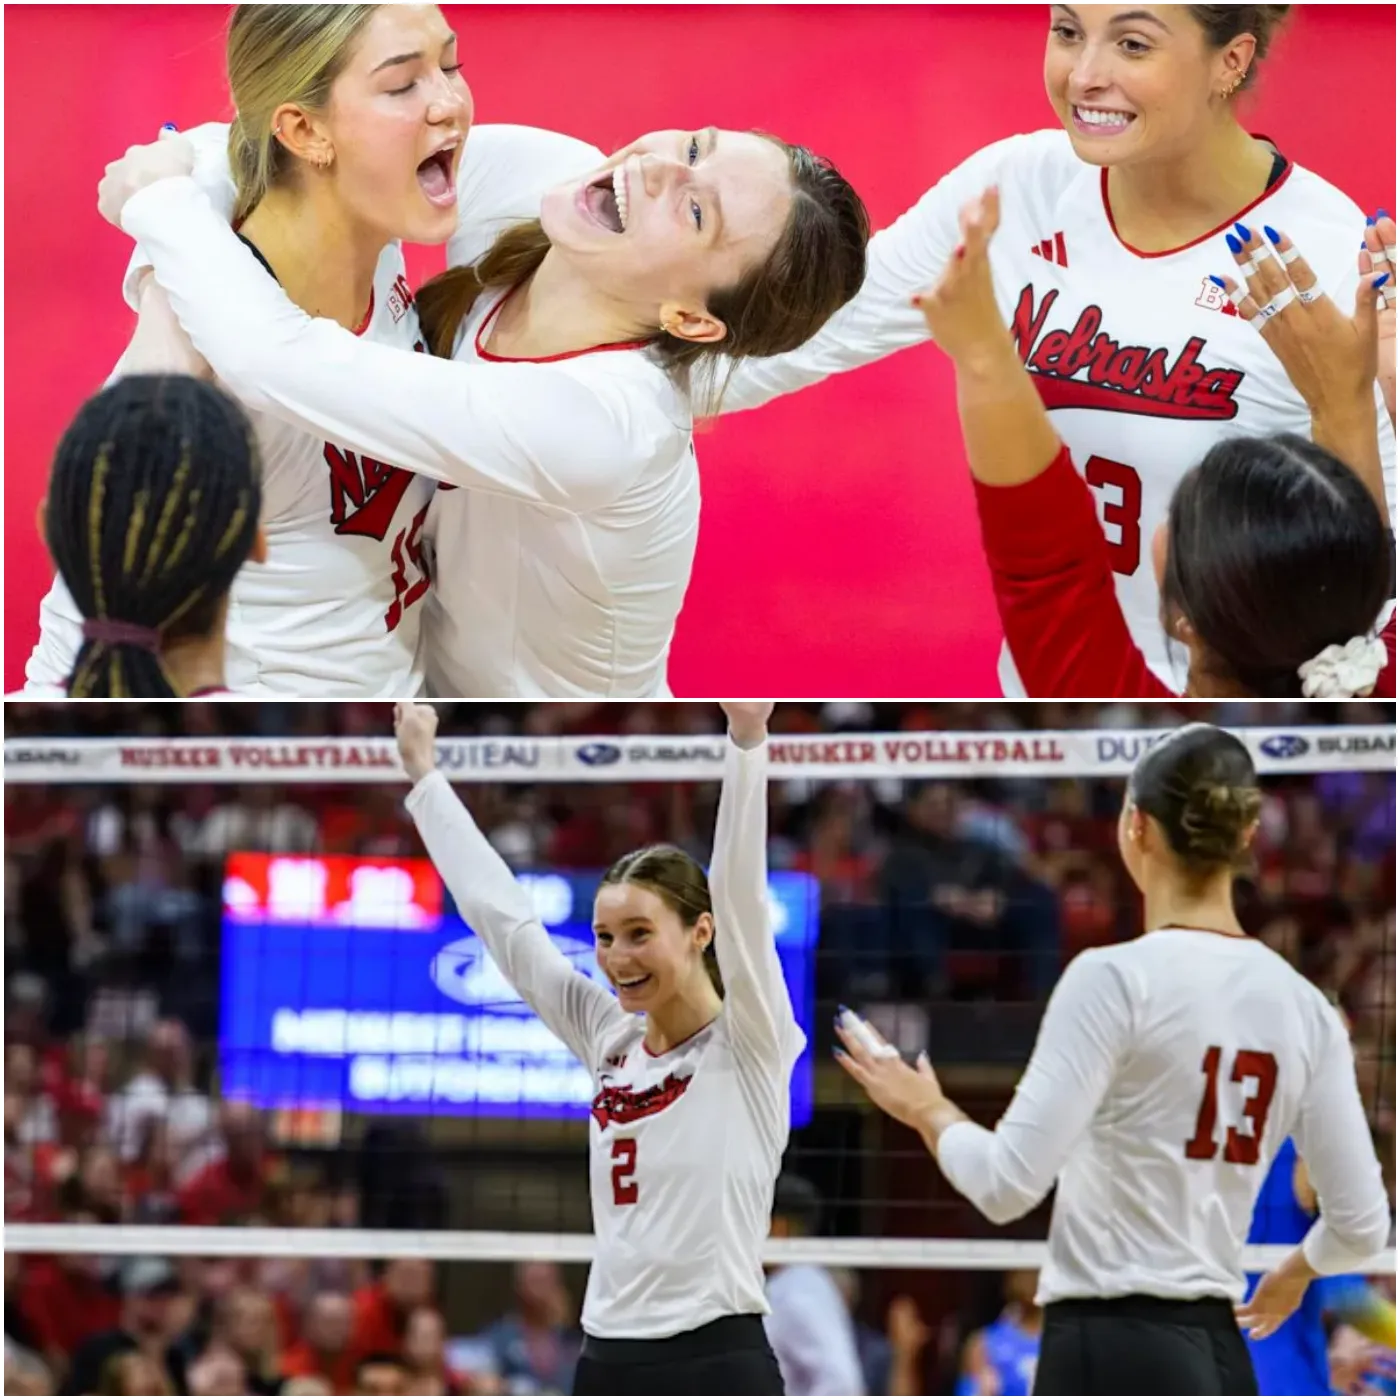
(570, 359)
(1113, 229)
(691, 1064)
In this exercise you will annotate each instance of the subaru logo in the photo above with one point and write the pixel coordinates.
(599, 755)
(1285, 746)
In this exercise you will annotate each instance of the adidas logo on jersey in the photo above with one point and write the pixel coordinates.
(1052, 250)
(1213, 298)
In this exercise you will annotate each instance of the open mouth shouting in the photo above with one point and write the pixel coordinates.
(436, 176)
(605, 201)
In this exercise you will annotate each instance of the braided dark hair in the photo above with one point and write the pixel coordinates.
(153, 507)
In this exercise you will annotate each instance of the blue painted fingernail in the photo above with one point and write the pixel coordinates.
(170, 126)
(1235, 244)
(1219, 281)
(1271, 234)
(1243, 232)
(1372, 220)
(1382, 214)
(1381, 280)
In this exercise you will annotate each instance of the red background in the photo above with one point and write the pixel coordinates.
(838, 553)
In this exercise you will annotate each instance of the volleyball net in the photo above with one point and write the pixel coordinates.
(272, 1039)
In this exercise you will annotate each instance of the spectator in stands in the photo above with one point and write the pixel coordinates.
(535, 1348)
(310, 1385)
(425, 1357)
(24, 1367)
(147, 1324)
(131, 1373)
(65, 1299)
(234, 1184)
(100, 1181)
(163, 1088)
(324, 1348)
(891, 1362)
(148, 1183)
(999, 1359)
(810, 1327)
(381, 1373)
(219, 1372)
(383, 1307)
(245, 1326)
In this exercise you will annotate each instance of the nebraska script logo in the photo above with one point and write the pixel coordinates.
(1119, 378)
(626, 1106)
(365, 494)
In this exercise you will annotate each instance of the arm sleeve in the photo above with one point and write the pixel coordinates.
(905, 258)
(212, 174)
(530, 431)
(501, 914)
(757, 1005)
(1334, 1139)
(503, 175)
(1054, 589)
(1008, 1171)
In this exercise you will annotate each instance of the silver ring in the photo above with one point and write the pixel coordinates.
(1272, 308)
(1312, 294)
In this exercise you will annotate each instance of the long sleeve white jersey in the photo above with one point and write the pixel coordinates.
(685, 1147)
(1166, 1073)
(1140, 358)
(562, 568)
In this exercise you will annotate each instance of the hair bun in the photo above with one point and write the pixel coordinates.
(1216, 819)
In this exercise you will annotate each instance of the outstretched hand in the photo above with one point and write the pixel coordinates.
(415, 727)
(909, 1093)
(961, 308)
(1379, 257)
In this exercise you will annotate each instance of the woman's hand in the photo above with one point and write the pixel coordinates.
(961, 309)
(170, 156)
(1276, 1297)
(911, 1094)
(1379, 257)
(748, 720)
(415, 727)
(1330, 357)
(160, 345)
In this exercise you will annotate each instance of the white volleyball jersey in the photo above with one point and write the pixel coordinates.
(563, 568)
(685, 1147)
(336, 609)
(1140, 358)
(1166, 1074)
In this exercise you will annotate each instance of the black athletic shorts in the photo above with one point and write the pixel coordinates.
(729, 1356)
(1143, 1346)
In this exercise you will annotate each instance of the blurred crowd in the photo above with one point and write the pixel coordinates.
(932, 894)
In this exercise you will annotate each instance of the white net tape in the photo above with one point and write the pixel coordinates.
(508, 1246)
(1076, 753)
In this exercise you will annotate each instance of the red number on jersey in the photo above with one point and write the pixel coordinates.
(1241, 1148)
(1125, 512)
(624, 1153)
(408, 542)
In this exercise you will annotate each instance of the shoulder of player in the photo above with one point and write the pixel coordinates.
(527, 149)
(1326, 224)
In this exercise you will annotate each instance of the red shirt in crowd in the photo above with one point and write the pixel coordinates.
(64, 1309)
(378, 1326)
(300, 1360)
(1053, 579)
(215, 1195)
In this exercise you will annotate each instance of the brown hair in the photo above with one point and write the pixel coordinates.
(815, 268)
(680, 882)
(279, 54)
(1221, 23)
(1200, 786)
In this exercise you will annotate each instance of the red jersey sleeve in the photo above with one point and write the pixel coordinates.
(1054, 590)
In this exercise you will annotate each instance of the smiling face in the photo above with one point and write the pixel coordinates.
(1136, 83)
(643, 946)
(671, 219)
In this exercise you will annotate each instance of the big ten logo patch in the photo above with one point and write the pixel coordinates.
(1213, 298)
(400, 299)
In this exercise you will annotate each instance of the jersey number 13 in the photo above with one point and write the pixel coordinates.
(1261, 1070)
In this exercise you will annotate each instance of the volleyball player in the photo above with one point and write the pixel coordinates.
(1113, 229)
(152, 509)
(1275, 559)
(583, 339)
(691, 1062)
(1166, 1072)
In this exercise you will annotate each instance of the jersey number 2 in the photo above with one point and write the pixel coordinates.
(1124, 514)
(1243, 1148)
(624, 1172)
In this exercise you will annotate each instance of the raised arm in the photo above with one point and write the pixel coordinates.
(902, 259)
(756, 1001)
(529, 431)
(498, 910)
